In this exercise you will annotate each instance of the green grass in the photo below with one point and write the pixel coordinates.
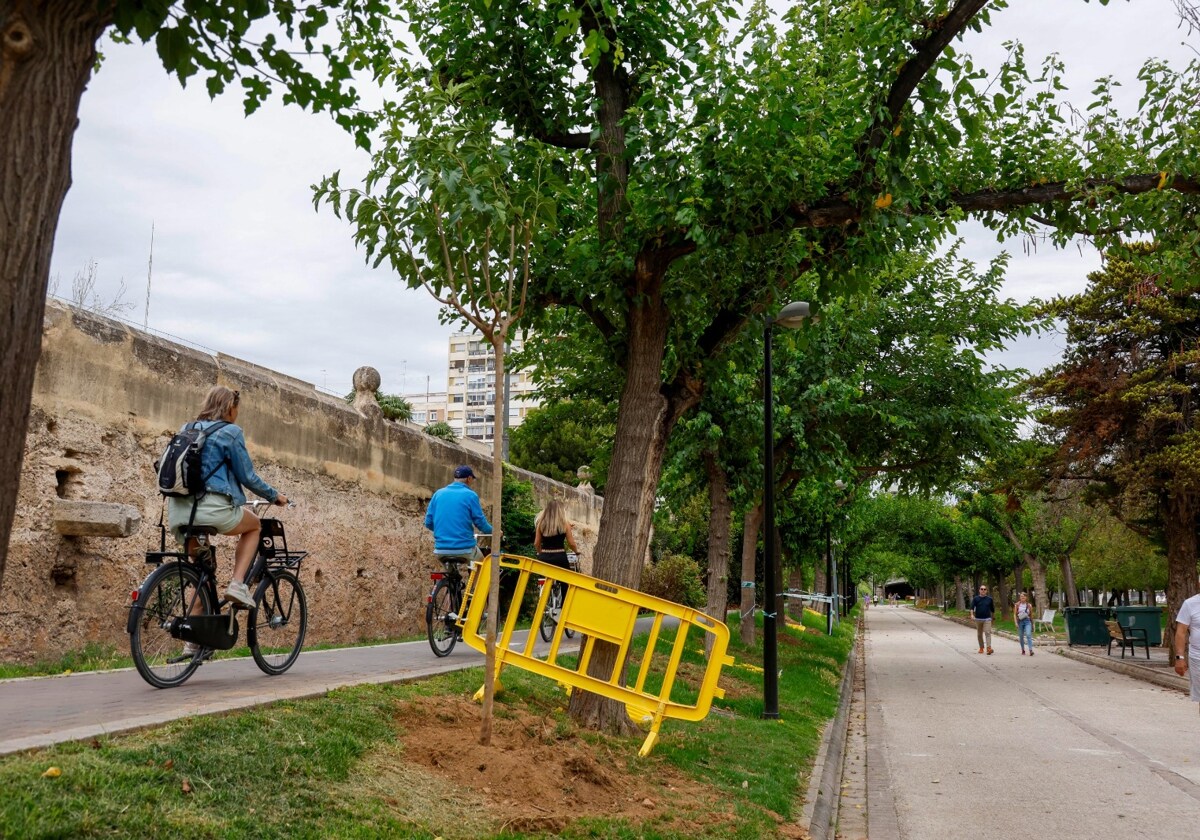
(332, 767)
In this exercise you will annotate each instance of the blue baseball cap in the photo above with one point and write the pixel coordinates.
(464, 472)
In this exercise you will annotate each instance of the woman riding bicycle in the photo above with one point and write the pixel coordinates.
(226, 468)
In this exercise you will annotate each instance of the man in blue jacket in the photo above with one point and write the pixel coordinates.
(454, 515)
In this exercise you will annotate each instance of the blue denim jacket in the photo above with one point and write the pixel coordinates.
(226, 464)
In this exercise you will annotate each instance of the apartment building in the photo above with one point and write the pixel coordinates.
(468, 404)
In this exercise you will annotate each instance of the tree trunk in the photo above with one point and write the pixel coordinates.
(47, 51)
(1180, 531)
(750, 526)
(780, 601)
(1071, 592)
(1002, 598)
(645, 418)
(493, 616)
(1037, 570)
(720, 524)
(959, 601)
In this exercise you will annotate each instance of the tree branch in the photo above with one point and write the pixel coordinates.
(944, 30)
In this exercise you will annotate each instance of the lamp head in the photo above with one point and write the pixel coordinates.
(792, 315)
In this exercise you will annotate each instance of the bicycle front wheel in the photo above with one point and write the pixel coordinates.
(439, 618)
(172, 592)
(276, 626)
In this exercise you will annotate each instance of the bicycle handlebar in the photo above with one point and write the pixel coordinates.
(256, 503)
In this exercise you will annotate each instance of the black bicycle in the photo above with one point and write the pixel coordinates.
(554, 603)
(176, 618)
(443, 605)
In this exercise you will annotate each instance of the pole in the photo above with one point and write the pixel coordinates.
(770, 664)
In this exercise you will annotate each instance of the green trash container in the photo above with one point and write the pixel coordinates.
(1085, 625)
(1143, 618)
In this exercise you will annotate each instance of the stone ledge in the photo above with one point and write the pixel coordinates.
(95, 519)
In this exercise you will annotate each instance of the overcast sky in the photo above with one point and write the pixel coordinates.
(243, 264)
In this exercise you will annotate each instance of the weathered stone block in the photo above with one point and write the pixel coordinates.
(95, 519)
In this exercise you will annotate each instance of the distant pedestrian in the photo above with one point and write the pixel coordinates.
(1187, 642)
(983, 610)
(867, 601)
(1023, 616)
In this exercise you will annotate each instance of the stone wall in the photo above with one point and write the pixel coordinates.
(107, 399)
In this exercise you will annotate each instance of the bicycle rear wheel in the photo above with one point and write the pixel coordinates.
(439, 622)
(171, 592)
(552, 614)
(276, 626)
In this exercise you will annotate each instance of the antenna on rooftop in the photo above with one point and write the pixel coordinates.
(149, 271)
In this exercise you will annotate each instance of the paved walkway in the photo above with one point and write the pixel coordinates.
(961, 743)
(39, 711)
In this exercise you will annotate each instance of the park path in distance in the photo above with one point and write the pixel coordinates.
(973, 745)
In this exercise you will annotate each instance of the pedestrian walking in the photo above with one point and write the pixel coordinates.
(983, 610)
(1023, 616)
(1187, 642)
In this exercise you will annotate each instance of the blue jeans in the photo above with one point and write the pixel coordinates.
(1025, 631)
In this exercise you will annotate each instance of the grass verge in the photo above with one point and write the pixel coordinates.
(346, 765)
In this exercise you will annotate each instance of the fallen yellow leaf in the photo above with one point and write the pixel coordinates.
(52, 773)
(884, 201)
(1162, 180)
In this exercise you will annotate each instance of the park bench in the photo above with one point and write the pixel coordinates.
(1126, 637)
(1047, 621)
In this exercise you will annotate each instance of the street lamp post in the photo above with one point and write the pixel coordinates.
(791, 316)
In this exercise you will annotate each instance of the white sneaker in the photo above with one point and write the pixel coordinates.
(239, 592)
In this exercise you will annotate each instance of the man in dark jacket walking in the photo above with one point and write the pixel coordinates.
(983, 610)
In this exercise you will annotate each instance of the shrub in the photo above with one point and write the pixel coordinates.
(443, 430)
(676, 578)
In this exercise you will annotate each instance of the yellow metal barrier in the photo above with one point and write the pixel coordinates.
(602, 611)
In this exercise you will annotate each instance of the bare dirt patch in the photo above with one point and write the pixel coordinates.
(539, 776)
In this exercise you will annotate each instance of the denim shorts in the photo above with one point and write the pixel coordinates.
(215, 509)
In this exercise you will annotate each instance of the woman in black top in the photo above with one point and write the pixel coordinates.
(552, 535)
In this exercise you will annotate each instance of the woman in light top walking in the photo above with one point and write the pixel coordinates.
(1023, 616)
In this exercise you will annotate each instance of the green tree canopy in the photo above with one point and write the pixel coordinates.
(558, 438)
(1120, 409)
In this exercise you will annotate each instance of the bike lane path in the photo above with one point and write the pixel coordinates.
(1046, 746)
(39, 711)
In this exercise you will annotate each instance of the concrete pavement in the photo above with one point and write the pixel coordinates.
(959, 742)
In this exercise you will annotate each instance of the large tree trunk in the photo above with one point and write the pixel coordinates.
(644, 421)
(960, 601)
(750, 525)
(720, 523)
(1180, 531)
(1070, 591)
(47, 51)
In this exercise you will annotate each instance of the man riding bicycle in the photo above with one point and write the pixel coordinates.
(454, 515)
